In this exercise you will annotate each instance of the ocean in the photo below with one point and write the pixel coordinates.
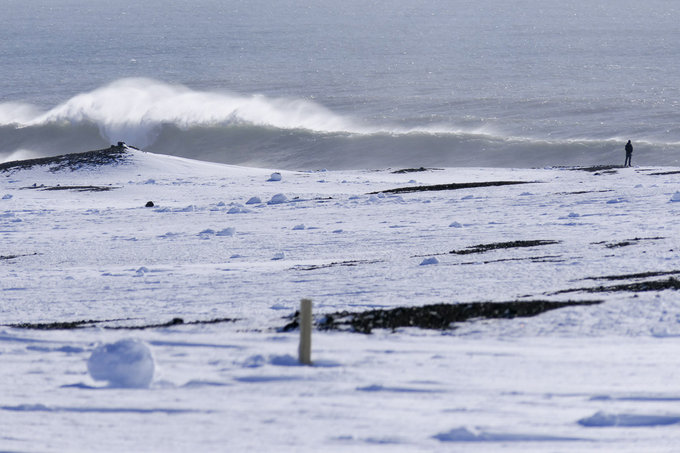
(344, 85)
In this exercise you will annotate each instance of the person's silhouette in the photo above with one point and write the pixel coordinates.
(629, 154)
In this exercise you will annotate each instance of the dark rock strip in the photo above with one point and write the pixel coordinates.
(437, 317)
(581, 192)
(481, 248)
(351, 263)
(413, 170)
(70, 325)
(627, 242)
(453, 186)
(60, 325)
(533, 259)
(665, 173)
(174, 322)
(11, 257)
(74, 188)
(654, 285)
(634, 276)
(608, 169)
(113, 155)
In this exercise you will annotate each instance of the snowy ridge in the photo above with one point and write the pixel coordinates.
(245, 244)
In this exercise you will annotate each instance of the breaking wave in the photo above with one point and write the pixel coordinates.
(275, 132)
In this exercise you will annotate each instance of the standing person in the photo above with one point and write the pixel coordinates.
(629, 154)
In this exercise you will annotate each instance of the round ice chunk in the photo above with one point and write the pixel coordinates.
(126, 363)
(275, 177)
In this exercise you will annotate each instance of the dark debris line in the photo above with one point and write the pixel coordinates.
(75, 188)
(70, 325)
(654, 285)
(634, 276)
(437, 316)
(453, 186)
(11, 257)
(481, 248)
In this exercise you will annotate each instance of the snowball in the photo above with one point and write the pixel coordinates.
(278, 199)
(429, 261)
(254, 200)
(275, 177)
(226, 232)
(675, 197)
(126, 363)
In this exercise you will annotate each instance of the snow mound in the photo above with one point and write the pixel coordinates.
(254, 200)
(676, 197)
(238, 210)
(455, 225)
(226, 232)
(464, 434)
(606, 420)
(126, 363)
(275, 177)
(429, 261)
(278, 199)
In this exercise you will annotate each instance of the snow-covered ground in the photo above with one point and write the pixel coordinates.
(247, 244)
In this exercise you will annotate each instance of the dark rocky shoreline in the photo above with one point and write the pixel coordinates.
(114, 155)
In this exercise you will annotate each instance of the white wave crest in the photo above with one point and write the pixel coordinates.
(16, 113)
(133, 110)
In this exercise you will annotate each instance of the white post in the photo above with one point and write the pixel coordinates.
(305, 350)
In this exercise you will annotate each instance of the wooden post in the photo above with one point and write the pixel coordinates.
(305, 350)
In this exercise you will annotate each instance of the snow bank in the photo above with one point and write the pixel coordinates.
(464, 434)
(126, 363)
(606, 420)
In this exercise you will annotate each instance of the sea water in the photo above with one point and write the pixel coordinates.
(344, 84)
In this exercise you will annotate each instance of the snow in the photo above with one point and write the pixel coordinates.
(566, 380)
